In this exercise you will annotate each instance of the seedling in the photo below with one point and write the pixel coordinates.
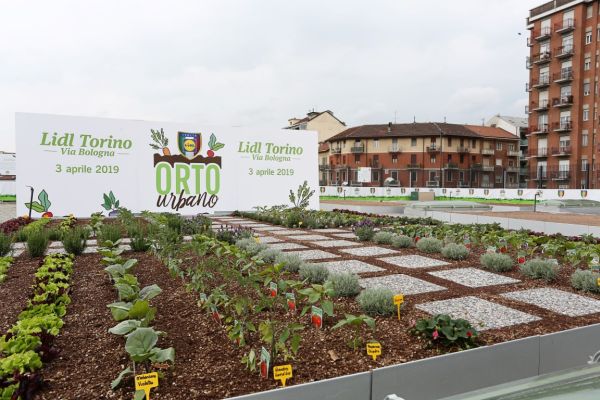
(355, 322)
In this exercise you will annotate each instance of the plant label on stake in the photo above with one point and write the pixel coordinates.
(595, 264)
(467, 242)
(317, 317)
(374, 349)
(265, 362)
(203, 298)
(146, 382)
(273, 289)
(282, 373)
(291, 301)
(521, 257)
(215, 314)
(491, 249)
(398, 300)
(598, 282)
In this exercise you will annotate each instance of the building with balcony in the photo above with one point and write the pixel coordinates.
(519, 127)
(424, 155)
(324, 123)
(563, 94)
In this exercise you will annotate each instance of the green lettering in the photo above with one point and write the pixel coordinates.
(182, 174)
(163, 175)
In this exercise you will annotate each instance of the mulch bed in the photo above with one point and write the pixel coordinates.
(207, 364)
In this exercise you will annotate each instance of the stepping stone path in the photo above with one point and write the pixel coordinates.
(482, 314)
(330, 230)
(290, 232)
(473, 277)
(309, 237)
(413, 261)
(369, 251)
(348, 235)
(558, 301)
(286, 246)
(334, 243)
(269, 228)
(352, 266)
(313, 254)
(268, 239)
(399, 283)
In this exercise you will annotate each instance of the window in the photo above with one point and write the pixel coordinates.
(498, 146)
(461, 176)
(589, 11)
(584, 138)
(498, 178)
(394, 159)
(343, 159)
(394, 175)
(432, 176)
(499, 162)
(433, 140)
(413, 158)
(357, 158)
(586, 113)
(462, 158)
(413, 176)
(588, 37)
(473, 143)
(449, 141)
(449, 157)
(462, 142)
(449, 175)
(432, 159)
(375, 176)
(584, 165)
(375, 160)
(413, 142)
(376, 143)
(511, 147)
(586, 88)
(587, 63)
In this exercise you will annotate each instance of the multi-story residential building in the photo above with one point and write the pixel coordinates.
(563, 94)
(424, 154)
(325, 123)
(519, 127)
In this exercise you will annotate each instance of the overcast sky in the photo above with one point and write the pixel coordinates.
(258, 63)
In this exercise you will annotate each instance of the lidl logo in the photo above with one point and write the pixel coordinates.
(520, 192)
(584, 194)
(561, 193)
(189, 144)
(471, 191)
(486, 191)
(372, 190)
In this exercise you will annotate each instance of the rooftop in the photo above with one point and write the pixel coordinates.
(294, 122)
(551, 5)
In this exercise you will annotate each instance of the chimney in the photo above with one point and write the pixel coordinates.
(389, 127)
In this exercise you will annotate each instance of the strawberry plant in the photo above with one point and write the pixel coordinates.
(5, 263)
(442, 329)
(213, 145)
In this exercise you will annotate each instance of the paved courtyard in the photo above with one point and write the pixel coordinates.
(7, 211)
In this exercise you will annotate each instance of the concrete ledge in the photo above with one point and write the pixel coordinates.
(568, 349)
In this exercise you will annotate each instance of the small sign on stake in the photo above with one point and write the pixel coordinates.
(282, 373)
(398, 300)
(146, 382)
(374, 349)
(598, 282)
(265, 362)
(273, 289)
(203, 298)
(215, 314)
(317, 317)
(291, 301)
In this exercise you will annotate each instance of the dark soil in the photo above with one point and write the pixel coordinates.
(16, 290)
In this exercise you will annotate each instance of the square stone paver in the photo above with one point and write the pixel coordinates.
(473, 277)
(399, 283)
(482, 314)
(309, 237)
(286, 246)
(313, 254)
(269, 228)
(331, 230)
(334, 243)
(352, 266)
(413, 261)
(348, 235)
(369, 251)
(268, 239)
(290, 232)
(90, 249)
(560, 302)
(17, 252)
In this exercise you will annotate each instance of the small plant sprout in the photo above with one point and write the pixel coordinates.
(160, 141)
(355, 322)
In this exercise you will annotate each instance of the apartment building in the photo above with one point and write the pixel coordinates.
(519, 127)
(324, 123)
(563, 94)
(422, 154)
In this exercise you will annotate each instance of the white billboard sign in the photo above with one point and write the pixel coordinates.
(83, 165)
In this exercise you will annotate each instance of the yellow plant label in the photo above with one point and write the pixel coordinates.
(374, 349)
(282, 373)
(598, 281)
(146, 382)
(398, 299)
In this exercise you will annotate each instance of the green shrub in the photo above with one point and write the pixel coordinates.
(293, 219)
(254, 248)
(37, 243)
(401, 241)
(442, 329)
(497, 262)
(20, 235)
(269, 255)
(5, 263)
(540, 269)
(364, 229)
(383, 237)
(74, 240)
(585, 280)
(197, 225)
(140, 241)
(430, 245)
(5, 244)
(244, 243)
(55, 234)
(291, 262)
(455, 251)
(345, 284)
(377, 301)
(314, 273)
(110, 232)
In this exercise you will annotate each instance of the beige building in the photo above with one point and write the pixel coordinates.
(325, 123)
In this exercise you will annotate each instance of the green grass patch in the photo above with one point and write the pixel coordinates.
(8, 197)
(443, 198)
